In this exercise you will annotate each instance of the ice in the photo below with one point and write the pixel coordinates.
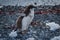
(53, 26)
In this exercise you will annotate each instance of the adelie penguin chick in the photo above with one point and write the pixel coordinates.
(23, 22)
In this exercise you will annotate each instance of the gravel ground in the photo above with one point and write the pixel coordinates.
(38, 33)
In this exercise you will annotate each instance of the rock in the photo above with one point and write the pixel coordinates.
(30, 39)
(56, 38)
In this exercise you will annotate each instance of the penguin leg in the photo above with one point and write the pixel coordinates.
(24, 32)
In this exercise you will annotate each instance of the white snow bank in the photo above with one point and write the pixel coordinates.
(53, 26)
(56, 38)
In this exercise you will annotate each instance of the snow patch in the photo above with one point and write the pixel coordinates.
(53, 26)
(1, 6)
(13, 33)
